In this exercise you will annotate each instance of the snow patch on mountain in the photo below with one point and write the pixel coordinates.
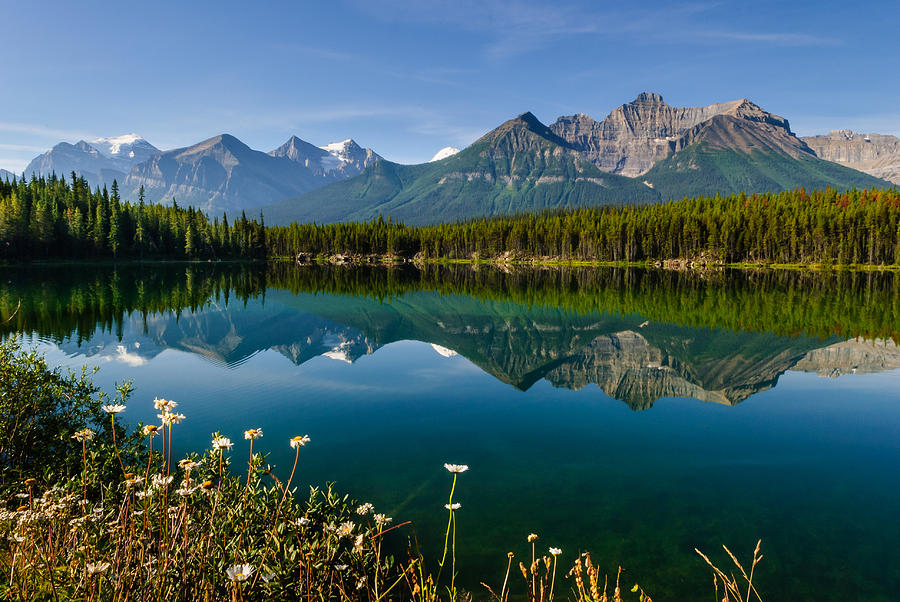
(340, 150)
(113, 145)
(441, 350)
(447, 151)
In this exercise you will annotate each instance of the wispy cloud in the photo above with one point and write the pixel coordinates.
(23, 147)
(43, 131)
(775, 38)
(14, 165)
(514, 27)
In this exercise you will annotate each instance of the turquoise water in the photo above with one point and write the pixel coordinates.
(610, 431)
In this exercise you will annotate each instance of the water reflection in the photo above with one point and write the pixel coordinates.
(639, 336)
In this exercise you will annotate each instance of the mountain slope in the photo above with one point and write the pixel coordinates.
(729, 156)
(519, 166)
(876, 154)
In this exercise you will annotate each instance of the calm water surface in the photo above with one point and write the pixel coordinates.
(634, 414)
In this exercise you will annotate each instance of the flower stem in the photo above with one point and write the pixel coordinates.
(449, 522)
(112, 418)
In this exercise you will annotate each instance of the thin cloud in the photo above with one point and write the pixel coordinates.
(41, 130)
(777, 38)
(23, 147)
(17, 166)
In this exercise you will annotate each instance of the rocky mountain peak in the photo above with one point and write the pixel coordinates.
(637, 135)
(648, 98)
(522, 131)
(299, 150)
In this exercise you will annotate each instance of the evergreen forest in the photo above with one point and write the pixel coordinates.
(52, 218)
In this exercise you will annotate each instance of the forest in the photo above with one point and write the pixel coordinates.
(831, 227)
(54, 218)
(51, 218)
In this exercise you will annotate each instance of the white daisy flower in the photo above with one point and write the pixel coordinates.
(297, 441)
(240, 572)
(456, 468)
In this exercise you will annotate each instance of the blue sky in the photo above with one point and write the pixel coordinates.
(407, 77)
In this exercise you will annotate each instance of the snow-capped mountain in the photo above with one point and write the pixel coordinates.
(447, 151)
(100, 161)
(335, 161)
(127, 150)
(348, 158)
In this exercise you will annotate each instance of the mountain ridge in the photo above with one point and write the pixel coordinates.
(524, 165)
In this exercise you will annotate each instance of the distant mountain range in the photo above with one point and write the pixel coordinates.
(215, 175)
(644, 151)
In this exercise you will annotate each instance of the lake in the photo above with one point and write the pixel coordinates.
(636, 414)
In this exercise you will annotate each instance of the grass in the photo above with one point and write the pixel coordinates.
(113, 515)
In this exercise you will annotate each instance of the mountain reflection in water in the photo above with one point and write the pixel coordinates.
(638, 335)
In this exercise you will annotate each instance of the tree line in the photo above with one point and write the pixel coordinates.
(853, 227)
(52, 218)
(55, 218)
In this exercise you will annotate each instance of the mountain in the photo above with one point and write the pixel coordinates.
(875, 154)
(8, 175)
(519, 166)
(643, 151)
(729, 155)
(82, 158)
(723, 148)
(99, 161)
(636, 135)
(333, 162)
(447, 151)
(126, 150)
(224, 174)
(348, 158)
(219, 174)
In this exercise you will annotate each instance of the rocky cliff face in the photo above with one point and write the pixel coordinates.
(639, 134)
(875, 154)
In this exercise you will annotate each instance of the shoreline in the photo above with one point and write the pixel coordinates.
(679, 264)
